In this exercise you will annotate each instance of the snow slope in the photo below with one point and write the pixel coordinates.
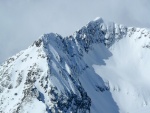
(127, 71)
(101, 68)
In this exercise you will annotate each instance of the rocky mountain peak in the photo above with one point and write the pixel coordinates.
(87, 72)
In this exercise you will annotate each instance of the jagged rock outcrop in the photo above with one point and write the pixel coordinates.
(48, 77)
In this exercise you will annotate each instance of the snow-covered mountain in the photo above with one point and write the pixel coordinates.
(101, 68)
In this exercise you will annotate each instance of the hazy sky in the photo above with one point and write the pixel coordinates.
(23, 21)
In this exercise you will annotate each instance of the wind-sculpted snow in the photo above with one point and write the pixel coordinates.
(86, 72)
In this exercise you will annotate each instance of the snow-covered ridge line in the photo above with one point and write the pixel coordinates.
(96, 31)
(67, 74)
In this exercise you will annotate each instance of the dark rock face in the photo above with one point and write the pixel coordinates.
(38, 43)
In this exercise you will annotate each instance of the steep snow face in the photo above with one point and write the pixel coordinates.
(39, 79)
(127, 71)
(101, 68)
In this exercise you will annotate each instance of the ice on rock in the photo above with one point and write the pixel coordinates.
(102, 68)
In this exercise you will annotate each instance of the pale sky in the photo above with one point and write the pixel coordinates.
(23, 21)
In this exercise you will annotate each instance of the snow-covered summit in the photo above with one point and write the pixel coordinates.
(101, 68)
